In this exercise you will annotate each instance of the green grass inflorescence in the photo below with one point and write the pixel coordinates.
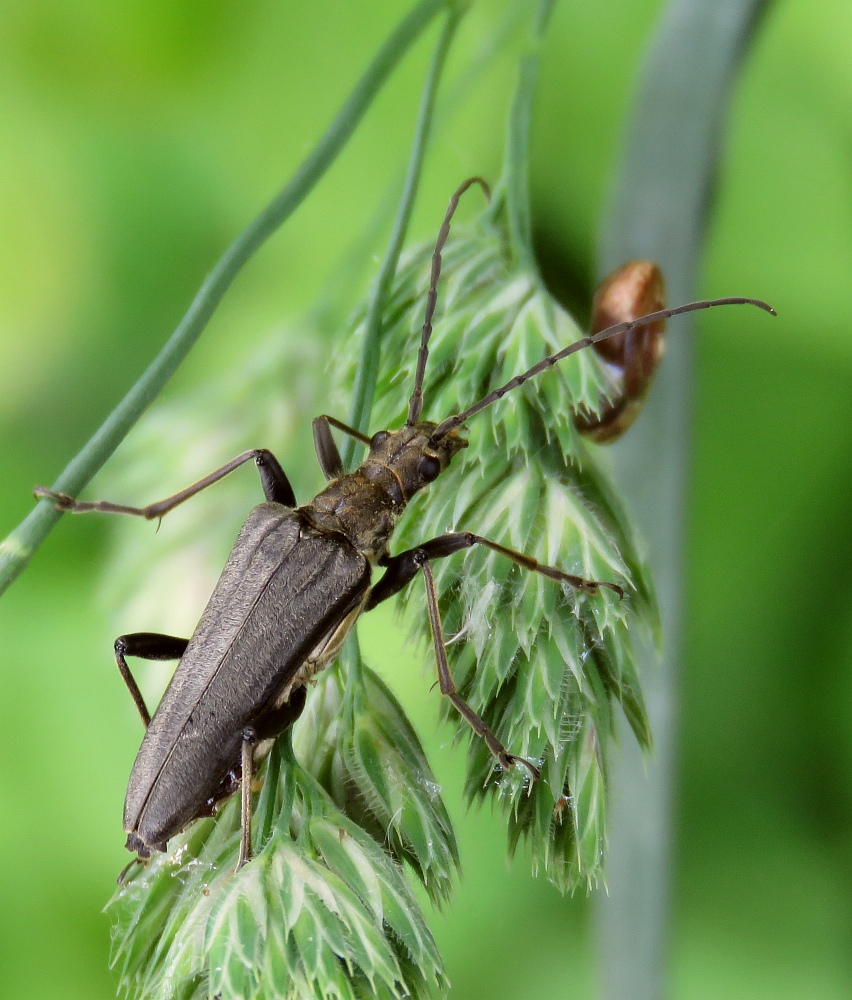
(348, 799)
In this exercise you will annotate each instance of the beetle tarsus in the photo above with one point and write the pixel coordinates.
(122, 875)
(592, 587)
(61, 501)
(513, 759)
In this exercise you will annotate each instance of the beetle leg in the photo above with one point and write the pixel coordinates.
(147, 646)
(276, 487)
(399, 572)
(273, 479)
(249, 738)
(465, 539)
(122, 875)
(329, 457)
(445, 679)
(275, 721)
(401, 569)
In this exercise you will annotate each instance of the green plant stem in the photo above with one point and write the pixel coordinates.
(19, 547)
(660, 210)
(518, 142)
(368, 365)
(331, 310)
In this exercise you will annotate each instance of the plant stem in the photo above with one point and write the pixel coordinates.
(19, 547)
(518, 143)
(368, 365)
(366, 375)
(660, 212)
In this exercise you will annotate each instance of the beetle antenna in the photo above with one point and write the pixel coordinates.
(451, 423)
(415, 405)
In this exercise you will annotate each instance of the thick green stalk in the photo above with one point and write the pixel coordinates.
(19, 547)
(368, 365)
(659, 211)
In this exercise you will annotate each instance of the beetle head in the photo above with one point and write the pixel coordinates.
(412, 454)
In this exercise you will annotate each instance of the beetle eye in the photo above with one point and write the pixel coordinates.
(429, 468)
(378, 439)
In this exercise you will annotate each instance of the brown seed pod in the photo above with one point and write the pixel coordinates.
(634, 290)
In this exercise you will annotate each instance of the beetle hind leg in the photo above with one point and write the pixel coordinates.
(147, 646)
(401, 569)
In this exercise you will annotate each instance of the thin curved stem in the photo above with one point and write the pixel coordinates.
(518, 142)
(368, 365)
(19, 547)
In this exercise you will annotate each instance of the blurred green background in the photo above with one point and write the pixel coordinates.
(136, 140)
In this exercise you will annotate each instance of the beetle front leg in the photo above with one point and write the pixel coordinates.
(445, 679)
(147, 646)
(249, 740)
(276, 488)
(327, 454)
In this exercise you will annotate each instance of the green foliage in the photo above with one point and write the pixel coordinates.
(540, 664)
(18, 547)
(359, 743)
(662, 202)
(322, 910)
(133, 144)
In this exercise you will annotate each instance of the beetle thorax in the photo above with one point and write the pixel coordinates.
(366, 504)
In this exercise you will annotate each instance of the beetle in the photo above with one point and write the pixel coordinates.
(296, 581)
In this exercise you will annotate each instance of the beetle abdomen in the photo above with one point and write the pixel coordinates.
(284, 588)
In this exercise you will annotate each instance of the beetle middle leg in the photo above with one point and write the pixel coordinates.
(401, 570)
(147, 646)
(276, 488)
(445, 678)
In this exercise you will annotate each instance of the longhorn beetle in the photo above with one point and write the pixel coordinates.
(295, 583)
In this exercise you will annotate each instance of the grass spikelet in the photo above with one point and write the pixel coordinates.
(321, 911)
(541, 664)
